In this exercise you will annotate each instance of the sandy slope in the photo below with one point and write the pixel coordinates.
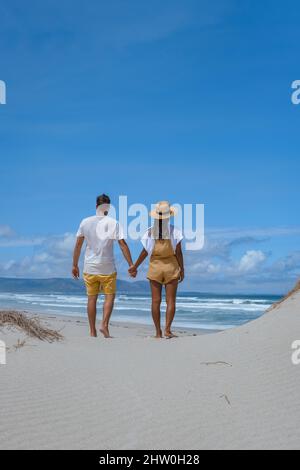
(137, 392)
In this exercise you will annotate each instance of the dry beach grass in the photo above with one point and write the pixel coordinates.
(289, 294)
(29, 325)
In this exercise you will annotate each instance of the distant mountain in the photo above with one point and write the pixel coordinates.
(63, 286)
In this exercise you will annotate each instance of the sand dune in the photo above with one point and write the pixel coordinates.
(236, 389)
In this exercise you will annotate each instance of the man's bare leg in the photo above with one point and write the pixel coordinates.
(92, 313)
(156, 301)
(171, 291)
(108, 306)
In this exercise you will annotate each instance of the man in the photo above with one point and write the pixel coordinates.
(100, 276)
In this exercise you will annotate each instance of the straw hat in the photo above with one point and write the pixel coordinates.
(163, 210)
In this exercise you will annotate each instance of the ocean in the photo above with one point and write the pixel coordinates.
(199, 311)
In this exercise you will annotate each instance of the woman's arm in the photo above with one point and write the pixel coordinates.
(179, 256)
(141, 258)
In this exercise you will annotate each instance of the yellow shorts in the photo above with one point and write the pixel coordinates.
(100, 283)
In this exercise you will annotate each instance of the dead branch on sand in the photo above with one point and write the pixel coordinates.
(20, 344)
(217, 363)
(226, 398)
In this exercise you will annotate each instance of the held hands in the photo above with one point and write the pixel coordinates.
(132, 271)
(75, 272)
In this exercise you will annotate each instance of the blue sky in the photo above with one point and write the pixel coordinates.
(187, 101)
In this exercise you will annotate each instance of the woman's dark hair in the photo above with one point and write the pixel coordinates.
(102, 199)
(160, 230)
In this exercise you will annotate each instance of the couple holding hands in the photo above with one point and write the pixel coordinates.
(161, 242)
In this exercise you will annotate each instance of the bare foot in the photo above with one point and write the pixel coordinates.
(158, 335)
(169, 335)
(93, 334)
(105, 331)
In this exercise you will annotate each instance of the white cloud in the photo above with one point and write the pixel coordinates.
(267, 232)
(16, 242)
(52, 257)
(251, 260)
(216, 268)
(6, 231)
(61, 245)
(9, 238)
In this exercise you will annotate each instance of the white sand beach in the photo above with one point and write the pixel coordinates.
(236, 389)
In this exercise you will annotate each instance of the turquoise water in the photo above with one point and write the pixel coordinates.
(212, 312)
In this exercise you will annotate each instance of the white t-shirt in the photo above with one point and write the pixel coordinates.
(148, 241)
(100, 232)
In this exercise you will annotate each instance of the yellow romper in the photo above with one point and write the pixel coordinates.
(163, 267)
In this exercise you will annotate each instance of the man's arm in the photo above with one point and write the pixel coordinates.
(76, 256)
(179, 257)
(126, 252)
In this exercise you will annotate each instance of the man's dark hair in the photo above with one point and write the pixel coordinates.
(102, 199)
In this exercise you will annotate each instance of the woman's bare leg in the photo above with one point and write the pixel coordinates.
(156, 301)
(108, 306)
(171, 291)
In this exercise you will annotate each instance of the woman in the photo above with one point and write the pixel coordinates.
(162, 242)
